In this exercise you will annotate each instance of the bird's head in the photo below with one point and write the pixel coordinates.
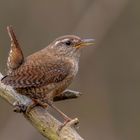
(70, 45)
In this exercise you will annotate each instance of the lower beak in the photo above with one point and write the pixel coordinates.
(86, 42)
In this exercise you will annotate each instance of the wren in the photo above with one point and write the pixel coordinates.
(46, 73)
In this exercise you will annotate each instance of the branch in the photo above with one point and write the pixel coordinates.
(40, 118)
(67, 94)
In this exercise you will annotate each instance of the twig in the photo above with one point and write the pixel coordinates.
(67, 94)
(40, 118)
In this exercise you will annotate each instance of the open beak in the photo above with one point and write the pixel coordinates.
(85, 42)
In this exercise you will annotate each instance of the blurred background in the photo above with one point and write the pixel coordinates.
(109, 75)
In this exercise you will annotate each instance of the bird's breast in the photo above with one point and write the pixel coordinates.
(75, 67)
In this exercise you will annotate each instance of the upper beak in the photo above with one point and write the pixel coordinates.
(86, 42)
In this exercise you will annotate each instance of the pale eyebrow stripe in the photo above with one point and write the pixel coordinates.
(61, 41)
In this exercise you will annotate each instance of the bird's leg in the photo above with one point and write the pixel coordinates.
(31, 106)
(66, 118)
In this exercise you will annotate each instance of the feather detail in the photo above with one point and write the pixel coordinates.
(37, 76)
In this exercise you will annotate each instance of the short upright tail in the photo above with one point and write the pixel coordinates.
(15, 58)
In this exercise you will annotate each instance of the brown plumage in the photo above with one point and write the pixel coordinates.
(46, 73)
(15, 58)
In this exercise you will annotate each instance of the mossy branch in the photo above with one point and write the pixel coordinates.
(40, 118)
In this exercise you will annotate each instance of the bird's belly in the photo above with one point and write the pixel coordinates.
(58, 88)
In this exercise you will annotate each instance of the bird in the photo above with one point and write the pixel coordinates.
(46, 73)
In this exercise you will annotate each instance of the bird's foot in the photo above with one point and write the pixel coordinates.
(22, 108)
(19, 108)
(69, 122)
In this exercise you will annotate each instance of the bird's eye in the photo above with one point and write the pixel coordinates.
(68, 43)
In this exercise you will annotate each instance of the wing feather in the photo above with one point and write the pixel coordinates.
(37, 76)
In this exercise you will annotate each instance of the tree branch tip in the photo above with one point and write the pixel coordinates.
(79, 94)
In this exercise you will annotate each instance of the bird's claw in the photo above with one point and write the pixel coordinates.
(22, 108)
(70, 123)
(19, 108)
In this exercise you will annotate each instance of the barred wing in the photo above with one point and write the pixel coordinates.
(37, 76)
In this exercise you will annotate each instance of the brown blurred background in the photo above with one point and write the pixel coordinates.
(109, 75)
